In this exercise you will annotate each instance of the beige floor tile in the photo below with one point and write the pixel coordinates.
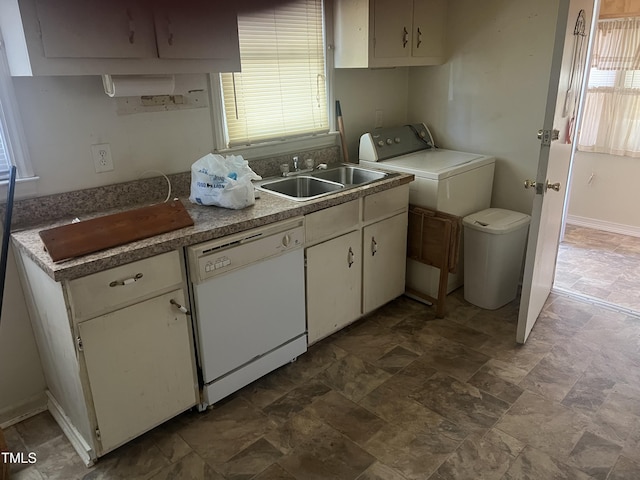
(543, 424)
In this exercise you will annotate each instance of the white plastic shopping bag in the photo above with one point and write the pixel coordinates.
(222, 181)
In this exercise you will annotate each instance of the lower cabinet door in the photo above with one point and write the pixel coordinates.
(384, 252)
(140, 366)
(334, 279)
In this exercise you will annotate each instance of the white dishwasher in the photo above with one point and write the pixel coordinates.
(248, 297)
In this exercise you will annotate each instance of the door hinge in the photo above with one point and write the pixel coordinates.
(98, 433)
(548, 136)
(79, 344)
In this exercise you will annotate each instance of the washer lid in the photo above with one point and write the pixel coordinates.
(436, 164)
(496, 221)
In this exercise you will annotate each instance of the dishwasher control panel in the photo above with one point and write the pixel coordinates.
(217, 257)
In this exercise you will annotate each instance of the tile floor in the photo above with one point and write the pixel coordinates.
(401, 395)
(600, 264)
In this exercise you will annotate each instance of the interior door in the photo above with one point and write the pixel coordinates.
(553, 168)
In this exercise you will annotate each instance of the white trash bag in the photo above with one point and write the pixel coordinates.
(223, 182)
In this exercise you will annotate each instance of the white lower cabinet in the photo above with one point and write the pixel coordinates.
(140, 367)
(384, 260)
(360, 262)
(334, 285)
(116, 349)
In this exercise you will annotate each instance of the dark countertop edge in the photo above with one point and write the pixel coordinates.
(28, 240)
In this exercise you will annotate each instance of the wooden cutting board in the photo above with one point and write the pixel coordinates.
(90, 236)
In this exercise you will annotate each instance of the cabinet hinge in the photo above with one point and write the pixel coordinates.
(98, 433)
(305, 262)
(548, 136)
(79, 344)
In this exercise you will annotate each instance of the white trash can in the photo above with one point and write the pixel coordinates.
(494, 244)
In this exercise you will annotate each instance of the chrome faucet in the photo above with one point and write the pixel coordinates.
(287, 172)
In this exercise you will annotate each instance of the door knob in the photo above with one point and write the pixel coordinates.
(529, 184)
(553, 186)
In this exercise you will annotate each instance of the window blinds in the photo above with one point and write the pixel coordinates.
(281, 91)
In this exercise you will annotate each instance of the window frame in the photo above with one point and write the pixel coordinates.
(13, 133)
(283, 146)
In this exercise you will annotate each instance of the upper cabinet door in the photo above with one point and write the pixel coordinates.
(392, 28)
(118, 37)
(95, 29)
(196, 30)
(428, 28)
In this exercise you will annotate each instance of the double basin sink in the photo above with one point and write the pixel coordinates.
(312, 185)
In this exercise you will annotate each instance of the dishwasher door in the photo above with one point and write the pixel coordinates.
(249, 312)
(248, 297)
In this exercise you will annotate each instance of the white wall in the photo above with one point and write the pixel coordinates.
(610, 201)
(64, 116)
(361, 92)
(489, 96)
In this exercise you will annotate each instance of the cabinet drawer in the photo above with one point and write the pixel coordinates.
(106, 291)
(386, 203)
(332, 221)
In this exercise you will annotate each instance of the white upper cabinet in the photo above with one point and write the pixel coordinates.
(95, 29)
(389, 33)
(429, 18)
(93, 37)
(196, 30)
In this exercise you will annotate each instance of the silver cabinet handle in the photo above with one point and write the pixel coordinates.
(126, 281)
(374, 246)
(405, 37)
(350, 257)
(182, 308)
(419, 41)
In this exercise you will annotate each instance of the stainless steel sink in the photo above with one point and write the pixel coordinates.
(310, 185)
(350, 175)
(301, 188)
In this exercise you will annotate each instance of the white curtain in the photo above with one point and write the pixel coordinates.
(611, 117)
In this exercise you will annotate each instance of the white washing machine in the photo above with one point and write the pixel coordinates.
(454, 182)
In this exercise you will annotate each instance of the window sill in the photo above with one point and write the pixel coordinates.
(25, 188)
(281, 147)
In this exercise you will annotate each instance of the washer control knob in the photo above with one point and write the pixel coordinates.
(397, 139)
(423, 134)
(389, 141)
(381, 143)
(286, 240)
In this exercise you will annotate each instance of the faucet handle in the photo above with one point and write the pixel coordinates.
(309, 163)
(295, 162)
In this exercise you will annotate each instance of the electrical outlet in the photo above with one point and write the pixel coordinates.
(102, 160)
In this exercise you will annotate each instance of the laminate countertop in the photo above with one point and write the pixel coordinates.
(209, 223)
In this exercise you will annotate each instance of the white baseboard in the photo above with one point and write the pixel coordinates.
(604, 225)
(15, 414)
(86, 453)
